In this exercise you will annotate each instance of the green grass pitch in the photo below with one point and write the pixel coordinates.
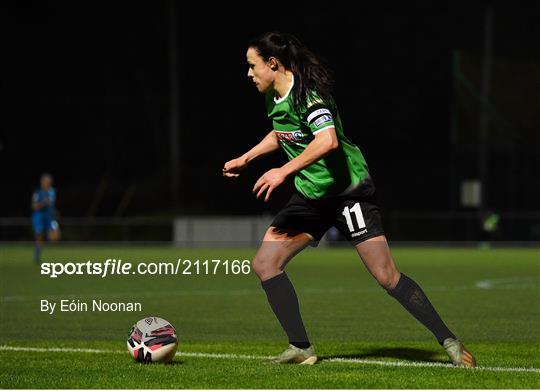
(490, 298)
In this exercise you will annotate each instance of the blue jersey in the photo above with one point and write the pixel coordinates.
(47, 197)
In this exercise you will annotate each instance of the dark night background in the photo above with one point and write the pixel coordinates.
(86, 93)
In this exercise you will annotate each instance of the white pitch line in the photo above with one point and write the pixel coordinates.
(54, 350)
(232, 356)
(507, 282)
(427, 365)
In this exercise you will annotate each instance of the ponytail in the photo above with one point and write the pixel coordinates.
(312, 79)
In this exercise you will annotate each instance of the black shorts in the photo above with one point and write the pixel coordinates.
(354, 213)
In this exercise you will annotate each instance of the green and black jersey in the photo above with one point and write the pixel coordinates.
(334, 174)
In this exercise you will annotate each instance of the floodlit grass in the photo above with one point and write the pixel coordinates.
(489, 298)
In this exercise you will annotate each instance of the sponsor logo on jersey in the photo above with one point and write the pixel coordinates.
(323, 120)
(355, 234)
(293, 136)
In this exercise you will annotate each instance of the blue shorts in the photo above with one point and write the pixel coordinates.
(42, 224)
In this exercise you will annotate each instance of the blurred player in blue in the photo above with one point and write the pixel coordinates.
(43, 211)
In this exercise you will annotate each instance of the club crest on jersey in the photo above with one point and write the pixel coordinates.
(293, 136)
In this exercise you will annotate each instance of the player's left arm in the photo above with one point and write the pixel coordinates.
(325, 142)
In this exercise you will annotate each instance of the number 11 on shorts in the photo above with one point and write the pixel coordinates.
(347, 212)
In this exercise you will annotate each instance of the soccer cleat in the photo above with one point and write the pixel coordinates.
(294, 355)
(458, 353)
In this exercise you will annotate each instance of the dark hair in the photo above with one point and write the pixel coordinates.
(311, 76)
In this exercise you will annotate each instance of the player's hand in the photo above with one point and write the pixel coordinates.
(232, 168)
(269, 181)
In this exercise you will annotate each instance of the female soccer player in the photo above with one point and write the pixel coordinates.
(333, 188)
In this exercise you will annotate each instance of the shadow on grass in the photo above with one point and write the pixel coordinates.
(159, 364)
(408, 354)
(173, 363)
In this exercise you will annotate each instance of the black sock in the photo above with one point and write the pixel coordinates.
(413, 298)
(284, 303)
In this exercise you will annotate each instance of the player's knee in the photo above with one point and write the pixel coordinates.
(266, 266)
(264, 270)
(387, 278)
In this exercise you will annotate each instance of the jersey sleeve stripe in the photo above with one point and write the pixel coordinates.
(326, 127)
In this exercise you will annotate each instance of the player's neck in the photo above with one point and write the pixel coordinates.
(283, 83)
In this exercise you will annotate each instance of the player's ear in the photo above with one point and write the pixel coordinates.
(273, 63)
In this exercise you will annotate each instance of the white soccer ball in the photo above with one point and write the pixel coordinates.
(152, 339)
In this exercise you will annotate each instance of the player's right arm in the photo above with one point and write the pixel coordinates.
(269, 144)
(36, 203)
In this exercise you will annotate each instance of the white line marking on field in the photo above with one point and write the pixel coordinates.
(428, 365)
(232, 356)
(54, 350)
(224, 355)
(508, 283)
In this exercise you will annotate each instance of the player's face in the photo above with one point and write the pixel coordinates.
(259, 71)
(46, 182)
